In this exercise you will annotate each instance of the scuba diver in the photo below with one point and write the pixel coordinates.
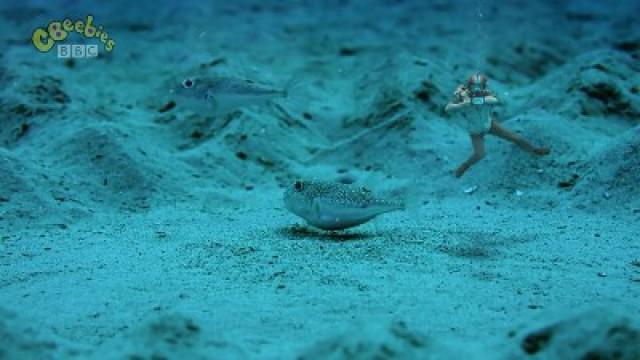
(473, 104)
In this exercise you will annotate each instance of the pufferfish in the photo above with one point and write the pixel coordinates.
(336, 206)
(219, 95)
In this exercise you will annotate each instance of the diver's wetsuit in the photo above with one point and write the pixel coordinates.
(475, 119)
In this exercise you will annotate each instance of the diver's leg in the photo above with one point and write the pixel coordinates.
(501, 132)
(477, 140)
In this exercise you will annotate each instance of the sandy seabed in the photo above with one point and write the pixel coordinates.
(135, 226)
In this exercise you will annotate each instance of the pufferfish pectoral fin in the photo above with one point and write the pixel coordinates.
(322, 211)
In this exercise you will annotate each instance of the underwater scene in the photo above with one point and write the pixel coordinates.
(320, 179)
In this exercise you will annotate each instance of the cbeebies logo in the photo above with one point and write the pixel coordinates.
(57, 31)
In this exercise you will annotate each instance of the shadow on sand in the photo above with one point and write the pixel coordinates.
(303, 232)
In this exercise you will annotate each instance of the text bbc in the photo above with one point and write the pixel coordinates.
(77, 51)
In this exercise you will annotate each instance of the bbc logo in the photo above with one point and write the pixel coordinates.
(77, 51)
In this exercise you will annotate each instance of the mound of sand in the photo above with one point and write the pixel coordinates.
(612, 175)
(598, 333)
(118, 173)
(28, 101)
(595, 84)
(21, 338)
(381, 340)
(595, 334)
(169, 337)
(28, 195)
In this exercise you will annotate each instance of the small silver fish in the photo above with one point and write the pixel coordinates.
(336, 206)
(222, 95)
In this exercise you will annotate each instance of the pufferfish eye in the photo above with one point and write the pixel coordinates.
(298, 185)
(188, 83)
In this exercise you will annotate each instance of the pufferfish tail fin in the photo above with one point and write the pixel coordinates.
(413, 200)
(407, 193)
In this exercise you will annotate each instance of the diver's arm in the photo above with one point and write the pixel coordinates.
(491, 99)
(460, 99)
(453, 106)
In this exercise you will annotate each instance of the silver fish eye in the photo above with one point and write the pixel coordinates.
(298, 185)
(188, 83)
